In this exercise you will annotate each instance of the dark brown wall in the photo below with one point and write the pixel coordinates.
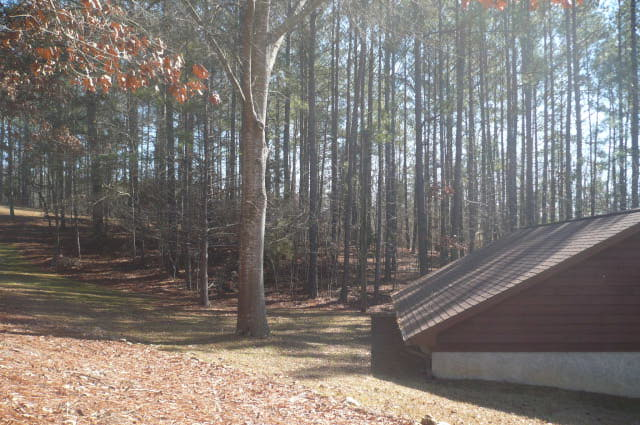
(389, 355)
(594, 306)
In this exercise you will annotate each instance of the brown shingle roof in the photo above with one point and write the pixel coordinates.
(505, 264)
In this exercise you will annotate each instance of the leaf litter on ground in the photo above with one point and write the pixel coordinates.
(57, 380)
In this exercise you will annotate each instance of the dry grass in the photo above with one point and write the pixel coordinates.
(319, 348)
(23, 212)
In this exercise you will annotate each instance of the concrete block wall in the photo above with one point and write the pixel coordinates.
(615, 373)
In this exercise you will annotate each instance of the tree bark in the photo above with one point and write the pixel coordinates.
(10, 170)
(312, 280)
(335, 191)
(576, 88)
(421, 210)
(456, 212)
(568, 178)
(133, 168)
(391, 218)
(511, 173)
(380, 182)
(529, 218)
(365, 172)
(96, 167)
(622, 148)
(206, 185)
(172, 213)
(635, 161)
(349, 182)
(472, 167)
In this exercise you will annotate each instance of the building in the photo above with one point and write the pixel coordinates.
(555, 305)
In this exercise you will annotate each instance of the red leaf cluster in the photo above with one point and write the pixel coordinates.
(502, 4)
(91, 45)
(200, 71)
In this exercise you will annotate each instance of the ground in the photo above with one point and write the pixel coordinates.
(63, 358)
(57, 380)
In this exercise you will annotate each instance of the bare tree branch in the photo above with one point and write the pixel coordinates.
(303, 8)
(247, 57)
(226, 64)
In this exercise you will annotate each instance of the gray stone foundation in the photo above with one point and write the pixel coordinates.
(609, 373)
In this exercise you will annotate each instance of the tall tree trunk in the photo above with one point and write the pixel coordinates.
(349, 182)
(74, 207)
(405, 178)
(380, 181)
(472, 165)
(10, 170)
(545, 165)
(96, 167)
(553, 134)
(303, 185)
(568, 178)
(576, 88)
(172, 212)
(335, 191)
(312, 281)
(391, 215)
(365, 171)
(133, 168)
(456, 213)
(622, 148)
(445, 136)
(511, 173)
(528, 94)
(232, 154)
(277, 166)
(635, 164)
(487, 179)
(257, 57)
(421, 210)
(206, 184)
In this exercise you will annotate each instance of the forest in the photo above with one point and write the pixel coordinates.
(321, 147)
(319, 212)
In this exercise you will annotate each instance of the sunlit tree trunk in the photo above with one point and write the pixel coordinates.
(568, 178)
(456, 210)
(511, 159)
(621, 153)
(206, 187)
(421, 210)
(576, 88)
(365, 170)
(312, 280)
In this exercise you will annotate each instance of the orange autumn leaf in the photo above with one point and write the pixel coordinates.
(200, 71)
(502, 4)
(132, 82)
(88, 84)
(91, 39)
(44, 52)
